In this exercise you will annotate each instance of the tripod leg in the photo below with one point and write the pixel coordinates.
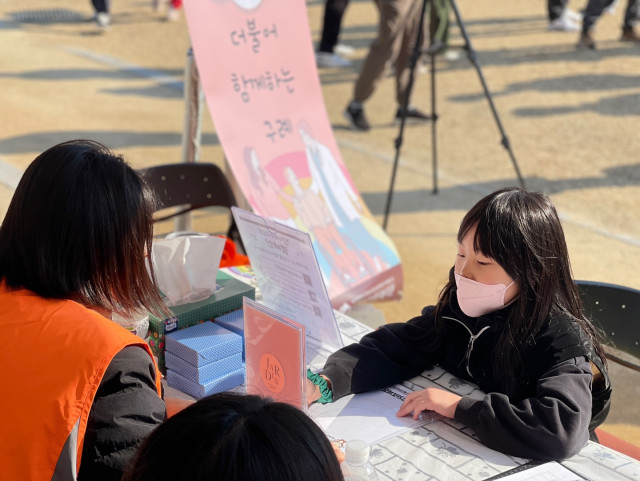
(434, 121)
(474, 60)
(398, 142)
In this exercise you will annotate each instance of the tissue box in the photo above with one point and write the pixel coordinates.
(245, 274)
(206, 373)
(198, 391)
(223, 301)
(203, 344)
(234, 321)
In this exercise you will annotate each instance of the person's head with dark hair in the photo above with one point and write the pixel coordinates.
(236, 437)
(79, 227)
(517, 234)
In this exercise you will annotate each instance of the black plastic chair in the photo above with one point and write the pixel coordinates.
(190, 186)
(616, 310)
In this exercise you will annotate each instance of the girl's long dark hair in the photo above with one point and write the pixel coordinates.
(521, 231)
(78, 227)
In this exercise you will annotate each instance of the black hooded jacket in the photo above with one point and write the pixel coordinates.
(125, 410)
(549, 413)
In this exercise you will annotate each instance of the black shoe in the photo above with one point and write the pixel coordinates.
(412, 114)
(355, 115)
(630, 35)
(437, 47)
(586, 42)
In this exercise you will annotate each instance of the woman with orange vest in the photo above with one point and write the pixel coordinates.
(79, 393)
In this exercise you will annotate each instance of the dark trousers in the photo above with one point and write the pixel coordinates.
(555, 8)
(438, 14)
(595, 8)
(100, 6)
(333, 12)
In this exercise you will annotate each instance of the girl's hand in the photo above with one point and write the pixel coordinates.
(430, 399)
(337, 449)
(313, 392)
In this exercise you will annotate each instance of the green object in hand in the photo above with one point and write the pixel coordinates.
(326, 395)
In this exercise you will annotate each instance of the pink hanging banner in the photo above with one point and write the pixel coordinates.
(258, 72)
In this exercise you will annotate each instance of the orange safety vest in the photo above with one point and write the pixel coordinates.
(53, 356)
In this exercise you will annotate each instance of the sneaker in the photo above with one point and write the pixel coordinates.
(452, 55)
(330, 60)
(355, 115)
(437, 47)
(573, 15)
(563, 24)
(103, 20)
(343, 49)
(630, 35)
(412, 114)
(586, 42)
(173, 14)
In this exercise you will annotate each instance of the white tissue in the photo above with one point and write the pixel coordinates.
(186, 267)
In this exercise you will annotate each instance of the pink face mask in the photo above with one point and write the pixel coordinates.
(477, 299)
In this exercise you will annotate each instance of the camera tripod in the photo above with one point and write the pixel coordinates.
(432, 51)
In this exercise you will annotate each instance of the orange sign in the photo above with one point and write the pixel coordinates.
(273, 345)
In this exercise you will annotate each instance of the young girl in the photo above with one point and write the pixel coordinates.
(510, 320)
(79, 391)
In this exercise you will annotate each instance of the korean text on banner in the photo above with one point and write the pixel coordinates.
(256, 62)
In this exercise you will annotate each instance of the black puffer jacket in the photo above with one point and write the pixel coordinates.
(125, 410)
(547, 415)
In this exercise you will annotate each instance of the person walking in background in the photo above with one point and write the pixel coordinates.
(332, 22)
(592, 13)
(397, 34)
(173, 11)
(102, 16)
(561, 18)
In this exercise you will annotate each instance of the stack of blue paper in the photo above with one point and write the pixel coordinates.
(204, 359)
(234, 321)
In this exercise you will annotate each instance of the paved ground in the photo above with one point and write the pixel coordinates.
(572, 117)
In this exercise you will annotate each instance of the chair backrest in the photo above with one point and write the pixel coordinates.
(191, 186)
(616, 310)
